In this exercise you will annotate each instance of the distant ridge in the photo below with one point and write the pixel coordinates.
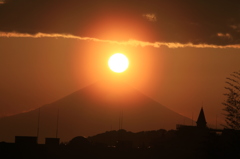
(92, 110)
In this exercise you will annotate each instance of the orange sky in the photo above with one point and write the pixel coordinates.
(39, 71)
(180, 53)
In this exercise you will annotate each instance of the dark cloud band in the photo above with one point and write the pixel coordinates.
(196, 22)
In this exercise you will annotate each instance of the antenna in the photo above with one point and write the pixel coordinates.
(38, 125)
(119, 124)
(216, 120)
(57, 122)
(121, 120)
(192, 118)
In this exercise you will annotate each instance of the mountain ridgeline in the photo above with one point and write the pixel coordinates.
(100, 107)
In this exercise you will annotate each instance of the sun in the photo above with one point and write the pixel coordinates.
(118, 63)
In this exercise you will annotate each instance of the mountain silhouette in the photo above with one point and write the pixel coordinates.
(92, 110)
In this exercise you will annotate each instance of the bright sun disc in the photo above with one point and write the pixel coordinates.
(118, 63)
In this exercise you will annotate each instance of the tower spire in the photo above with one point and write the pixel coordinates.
(201, 122)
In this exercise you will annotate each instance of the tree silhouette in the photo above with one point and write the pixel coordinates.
(232, 103)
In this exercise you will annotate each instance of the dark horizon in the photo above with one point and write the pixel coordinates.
(186, 142)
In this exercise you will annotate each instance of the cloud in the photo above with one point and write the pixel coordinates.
(150, 16)
(129, 42)
(185, 23)
(224, 35)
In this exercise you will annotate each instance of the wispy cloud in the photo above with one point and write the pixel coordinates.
(227, 35)
(131, 42)
(150, 16)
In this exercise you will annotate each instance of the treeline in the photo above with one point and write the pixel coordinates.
(172, 144)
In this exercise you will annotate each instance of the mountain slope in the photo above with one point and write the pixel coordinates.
(92, 110)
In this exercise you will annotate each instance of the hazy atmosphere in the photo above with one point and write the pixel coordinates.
(180, 53)
(105, 79)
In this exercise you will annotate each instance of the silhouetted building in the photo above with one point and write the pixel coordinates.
(52, 141)
(26, 140)
(201, 122)
(195, 131)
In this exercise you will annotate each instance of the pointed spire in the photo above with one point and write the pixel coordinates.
(201, 122)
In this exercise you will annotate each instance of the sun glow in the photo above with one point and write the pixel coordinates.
(118, 63)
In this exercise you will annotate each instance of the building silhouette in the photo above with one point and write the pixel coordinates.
(201, 122)
(195, 131)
